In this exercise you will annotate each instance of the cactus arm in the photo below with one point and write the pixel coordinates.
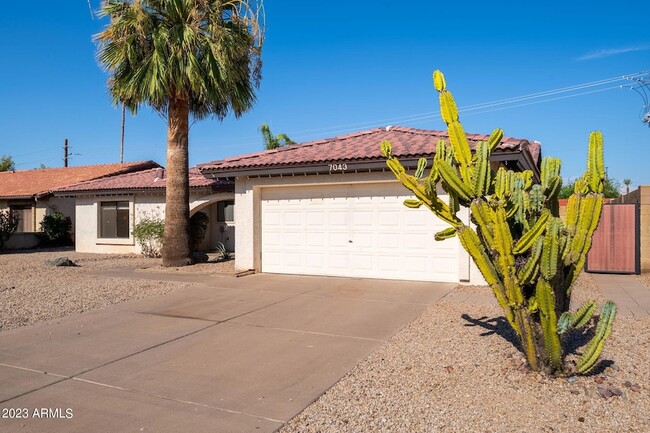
(550, 169)
(447, 233)
(530, 237)
(551, 249)
(571, 217)
(591, 207)
(564, 323)
(434, 203)
(595, 163)
(536, 198)
(578, 319)
(422, 165)
(506, 260)
(546, 302)
(482, 170)
(484, 217)
(589, 358)
(495, 139)
(439, 81)
(531, 268)
(412, 203)
(472, 244)
(582, 316)
(457, 137)
(455, 183)
(527, 335)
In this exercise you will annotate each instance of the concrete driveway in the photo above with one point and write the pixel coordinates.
(226, 355)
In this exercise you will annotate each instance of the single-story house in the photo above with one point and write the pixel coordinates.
(29, 193)
(332, 207)
(108, 209)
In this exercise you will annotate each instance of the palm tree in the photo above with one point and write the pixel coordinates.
(271, 142)
(182, 57)
(627, 183)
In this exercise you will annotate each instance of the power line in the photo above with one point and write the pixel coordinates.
(480, 108)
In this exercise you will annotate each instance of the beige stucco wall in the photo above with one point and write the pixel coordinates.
(140, 206)
(40, 208)
(214, 235)
(247, 215)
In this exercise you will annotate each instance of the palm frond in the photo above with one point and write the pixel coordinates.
(205, 52)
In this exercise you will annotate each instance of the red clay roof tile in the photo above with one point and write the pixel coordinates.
(358, 146)
(148, 179)
(42, 181)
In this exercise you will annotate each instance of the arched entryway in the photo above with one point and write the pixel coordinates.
(219, 209)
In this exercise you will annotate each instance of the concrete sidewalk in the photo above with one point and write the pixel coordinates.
(631, 296)
(226, 355)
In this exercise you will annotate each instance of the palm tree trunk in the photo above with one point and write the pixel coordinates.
(176, 246)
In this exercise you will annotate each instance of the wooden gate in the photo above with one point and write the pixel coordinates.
(615, 246)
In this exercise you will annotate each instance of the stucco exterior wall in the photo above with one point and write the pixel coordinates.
(247, 216)
(141, 206)
(40, 208)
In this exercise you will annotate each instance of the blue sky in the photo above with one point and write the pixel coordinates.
(335, 67)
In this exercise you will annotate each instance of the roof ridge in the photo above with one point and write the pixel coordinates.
(126, 164)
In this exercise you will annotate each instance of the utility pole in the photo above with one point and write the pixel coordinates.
(65, 152)
(122, 139)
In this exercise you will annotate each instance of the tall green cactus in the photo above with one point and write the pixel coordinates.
(529, 256)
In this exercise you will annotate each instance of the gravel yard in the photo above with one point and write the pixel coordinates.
(451, 370)
(32, 290)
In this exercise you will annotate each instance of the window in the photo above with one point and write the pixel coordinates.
(24, 212)
(114, 219)
(225, 211)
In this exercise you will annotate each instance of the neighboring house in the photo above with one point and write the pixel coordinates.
(108, 209)
(29, 193)
(332, 207)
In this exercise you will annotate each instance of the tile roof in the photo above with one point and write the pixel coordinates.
(361, 146)
(154, 178)
(42, 181)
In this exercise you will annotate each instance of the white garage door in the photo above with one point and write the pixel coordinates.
(353, 230)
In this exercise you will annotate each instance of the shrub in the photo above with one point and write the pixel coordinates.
(198, 227)
(149, 234)
(56, 229)
(8, 225)
(528, 255)
(224, 253)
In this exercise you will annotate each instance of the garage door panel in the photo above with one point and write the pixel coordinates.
(338, 218)
(363, 218)
(388, 263)
(314, 218)
(353, 230)
(315, 239)
(362, 263)
(363, 240)
(293, 239)
(315, 260)
(338, 263)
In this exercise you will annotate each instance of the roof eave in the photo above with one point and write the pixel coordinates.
(132, 191)
(523, 160)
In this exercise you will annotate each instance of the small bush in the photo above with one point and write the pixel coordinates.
(198, 227)
(56, 229)
(149, 234)
(225, 254)
(8, 225)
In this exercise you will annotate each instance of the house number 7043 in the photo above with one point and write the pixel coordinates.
(338, 167)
